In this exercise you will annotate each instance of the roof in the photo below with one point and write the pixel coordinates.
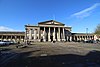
(11, 32)
(82, 34)
(53, 22)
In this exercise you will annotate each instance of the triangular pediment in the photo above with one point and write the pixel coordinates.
(51, 22)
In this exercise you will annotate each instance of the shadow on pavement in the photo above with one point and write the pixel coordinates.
(92, 59)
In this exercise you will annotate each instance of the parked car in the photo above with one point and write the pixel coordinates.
(97, 40)
(4, 43)
(7, 42)
(12, 42)
(90, 41)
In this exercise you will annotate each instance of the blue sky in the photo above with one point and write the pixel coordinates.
(80, 14)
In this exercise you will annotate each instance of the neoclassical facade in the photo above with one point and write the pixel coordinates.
(52, 31)
(48, 31)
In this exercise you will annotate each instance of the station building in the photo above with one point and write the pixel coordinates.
(53, 31)
(46, 31)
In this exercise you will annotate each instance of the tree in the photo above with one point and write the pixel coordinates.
(97, 30)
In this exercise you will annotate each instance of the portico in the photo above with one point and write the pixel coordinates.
(52, 33)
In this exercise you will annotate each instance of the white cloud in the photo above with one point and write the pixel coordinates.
(3, 28)
(86, 12)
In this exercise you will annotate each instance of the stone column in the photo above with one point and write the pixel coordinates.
(25, 37)
(74, 38)
(66, 37)
(59, 34)
(70, 38)
(35, 35)
(54, 35)
(30, 34)
(49, 35)
(63, 34)
(15, 39)
(85, 38)
(11, 38)
(44, 35)
(88, 37)
(6, 37)
(20, 38)
(39, 34)
(80, 38)
(25, 34)
(91, 37)
(1, 37)
(77, 38)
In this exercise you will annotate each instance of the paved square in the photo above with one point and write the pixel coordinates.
(59, 54)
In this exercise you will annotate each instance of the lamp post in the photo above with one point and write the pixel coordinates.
(87, 32)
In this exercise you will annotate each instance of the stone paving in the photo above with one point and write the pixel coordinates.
(59, 54)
